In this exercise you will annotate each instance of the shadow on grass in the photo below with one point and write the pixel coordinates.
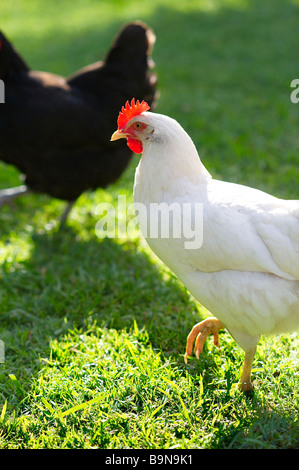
(70, 283)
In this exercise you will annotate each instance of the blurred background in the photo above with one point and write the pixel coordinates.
(224, 70)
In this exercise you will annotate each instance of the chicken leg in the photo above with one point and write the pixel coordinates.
(245, 383)
(66, 212)
(211, 326)
(8, 195)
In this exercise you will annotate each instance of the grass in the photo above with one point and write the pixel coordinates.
(95, 329)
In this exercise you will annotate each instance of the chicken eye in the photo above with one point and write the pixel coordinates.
(138, 126)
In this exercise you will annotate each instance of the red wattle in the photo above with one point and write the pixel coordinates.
(135, 145)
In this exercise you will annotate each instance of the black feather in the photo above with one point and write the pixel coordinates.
(57, 130)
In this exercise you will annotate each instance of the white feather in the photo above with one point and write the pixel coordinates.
(246, 271)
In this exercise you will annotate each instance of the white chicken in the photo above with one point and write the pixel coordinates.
(246, 271)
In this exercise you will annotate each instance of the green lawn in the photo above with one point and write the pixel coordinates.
(95, 329)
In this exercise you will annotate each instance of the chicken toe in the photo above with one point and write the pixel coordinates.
(201, 331)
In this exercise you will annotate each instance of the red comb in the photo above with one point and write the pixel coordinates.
(131, 110)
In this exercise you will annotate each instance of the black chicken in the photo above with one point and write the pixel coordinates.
(57, 131)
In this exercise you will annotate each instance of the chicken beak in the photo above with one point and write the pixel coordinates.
(118, 135)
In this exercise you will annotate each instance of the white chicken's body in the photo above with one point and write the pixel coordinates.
(246, 271)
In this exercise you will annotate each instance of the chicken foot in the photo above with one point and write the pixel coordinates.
(211, 326)
(201, 331)
(8, 195)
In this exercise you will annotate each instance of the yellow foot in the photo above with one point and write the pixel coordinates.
(201, 331)
(245, 386)
(245, 383)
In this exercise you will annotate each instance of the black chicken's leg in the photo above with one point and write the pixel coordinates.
(8, 195)
(66, 212)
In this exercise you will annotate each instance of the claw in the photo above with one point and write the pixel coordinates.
(201, 331)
